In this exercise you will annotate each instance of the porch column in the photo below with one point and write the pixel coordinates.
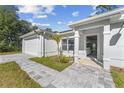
(40, 46)
(67, 46)
(106, 34)
(76, 46)
(23, 45)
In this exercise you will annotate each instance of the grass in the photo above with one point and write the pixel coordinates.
(118, 76)
(7, 53)
(11, 76)
(51, 62)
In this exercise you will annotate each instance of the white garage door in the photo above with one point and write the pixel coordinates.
(31, 46)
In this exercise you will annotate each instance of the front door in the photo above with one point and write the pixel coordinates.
(91, 46)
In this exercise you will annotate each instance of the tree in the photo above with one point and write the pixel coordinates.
(105, 8)
(24, 27)
(48, 29)
(8, 21)
(11, 27)
(57, 38)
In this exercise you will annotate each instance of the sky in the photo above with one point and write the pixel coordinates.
(56, 17)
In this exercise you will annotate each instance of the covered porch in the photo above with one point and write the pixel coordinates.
(84, 43)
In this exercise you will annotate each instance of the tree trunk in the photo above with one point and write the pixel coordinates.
(58, 49)
(58, 53)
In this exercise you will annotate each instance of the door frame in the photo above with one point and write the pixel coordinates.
(98, 42)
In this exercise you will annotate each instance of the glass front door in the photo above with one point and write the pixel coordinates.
(91, 46)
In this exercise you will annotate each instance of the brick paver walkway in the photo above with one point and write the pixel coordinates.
(77, 75)
(40, 73)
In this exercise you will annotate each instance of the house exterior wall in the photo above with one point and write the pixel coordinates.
(114, 46)
(111, 42)
(50, 47)
(92, 24)
(33, 45)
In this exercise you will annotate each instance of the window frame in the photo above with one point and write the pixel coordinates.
(67, 44)
(64, 45)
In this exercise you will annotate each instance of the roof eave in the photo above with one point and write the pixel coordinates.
(35, 32)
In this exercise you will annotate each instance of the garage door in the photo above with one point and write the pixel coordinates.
(31, 46)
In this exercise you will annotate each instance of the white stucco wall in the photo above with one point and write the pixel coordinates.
(93, 24)
(33, 45)
(114, 47)
(30, 45)
(50, 47)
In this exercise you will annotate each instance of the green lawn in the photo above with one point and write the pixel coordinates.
(118, 76)
(11, 76)
(51, 62)
(7, 53)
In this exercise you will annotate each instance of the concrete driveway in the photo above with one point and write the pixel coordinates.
(75, 76)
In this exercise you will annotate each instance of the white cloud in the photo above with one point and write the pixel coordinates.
(38, 11)
(75, 14)
(59, 22)
(37, 24)
(48, 9)
(45, 24)
(29, 20)
(40, 25)
(64, 6)
(40, 16)
(28, 9)
(69, 22)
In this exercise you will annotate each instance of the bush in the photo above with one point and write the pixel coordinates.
(7, 48)
(4, 47)
(64, 59)
(14, 48)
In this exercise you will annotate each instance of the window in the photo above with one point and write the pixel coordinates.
(68, 44)
(71, 44)
(64, 44)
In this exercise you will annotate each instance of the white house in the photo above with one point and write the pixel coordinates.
(100, 37)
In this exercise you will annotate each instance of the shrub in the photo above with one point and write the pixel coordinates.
(64, 59)
(4, 47)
